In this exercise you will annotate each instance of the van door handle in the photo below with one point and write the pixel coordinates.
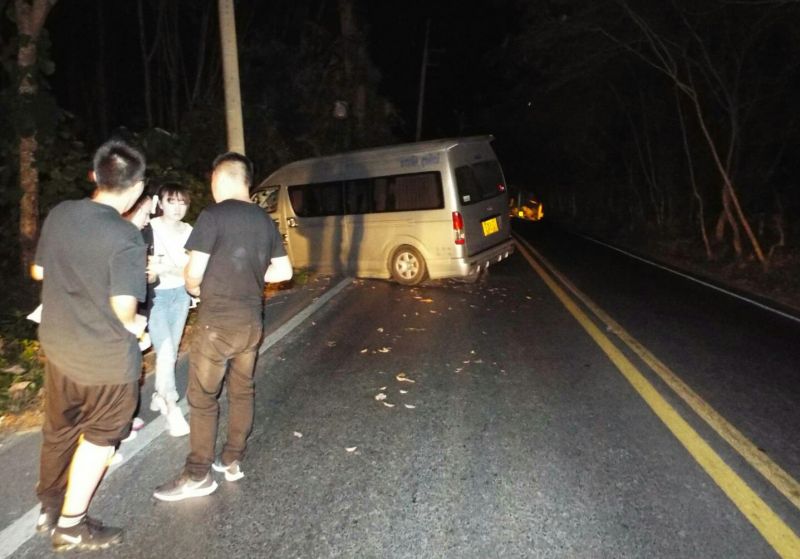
(291, 222)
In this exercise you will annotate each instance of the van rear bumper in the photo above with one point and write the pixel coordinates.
(471, 265)
(479, 262)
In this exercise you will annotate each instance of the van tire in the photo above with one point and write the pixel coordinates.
(407, 266)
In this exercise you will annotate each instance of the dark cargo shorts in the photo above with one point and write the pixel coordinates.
(101, 413)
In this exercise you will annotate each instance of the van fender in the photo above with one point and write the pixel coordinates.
(395, 242)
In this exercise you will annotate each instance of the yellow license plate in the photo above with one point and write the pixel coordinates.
(490, 226)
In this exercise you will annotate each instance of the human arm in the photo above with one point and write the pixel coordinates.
(124, 307)
(279, 269)
(194, 271)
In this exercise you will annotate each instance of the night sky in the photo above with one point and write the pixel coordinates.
(461, 33)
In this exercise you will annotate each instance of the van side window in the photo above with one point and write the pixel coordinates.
(479, 182)
(396, 193)
(358, 196)
(317, 199)
(422, 191)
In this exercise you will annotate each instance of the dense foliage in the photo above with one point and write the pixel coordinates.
(655, 118)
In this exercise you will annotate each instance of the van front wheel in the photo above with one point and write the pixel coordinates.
(408, 266)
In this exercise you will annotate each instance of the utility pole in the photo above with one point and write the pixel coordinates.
(230, 71)
(423, 71)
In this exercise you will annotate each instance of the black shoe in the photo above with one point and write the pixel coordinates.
(185, 488)
(88, 534)
(48, 518)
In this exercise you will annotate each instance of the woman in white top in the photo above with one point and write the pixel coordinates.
(171, 301)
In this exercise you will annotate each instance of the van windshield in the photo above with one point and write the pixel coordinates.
(479, 182)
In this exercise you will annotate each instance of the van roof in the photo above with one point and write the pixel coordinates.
(411, 148)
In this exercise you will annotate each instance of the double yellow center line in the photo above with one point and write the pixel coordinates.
(783, 540)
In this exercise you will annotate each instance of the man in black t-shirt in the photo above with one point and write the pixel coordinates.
(92, 262)
(233, 249)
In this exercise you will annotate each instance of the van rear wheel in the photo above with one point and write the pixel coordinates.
(407, 266)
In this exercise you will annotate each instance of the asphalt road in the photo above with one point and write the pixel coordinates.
(518, 436)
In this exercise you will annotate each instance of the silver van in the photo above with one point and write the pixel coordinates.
(433, 209)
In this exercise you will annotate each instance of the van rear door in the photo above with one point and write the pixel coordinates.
(483, 203)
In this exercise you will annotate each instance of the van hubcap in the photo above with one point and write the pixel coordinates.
(407, 265)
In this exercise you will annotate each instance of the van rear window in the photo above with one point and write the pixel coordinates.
(396, 193)
(479, 181)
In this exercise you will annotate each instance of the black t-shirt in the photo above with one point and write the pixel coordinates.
(241, 239)
(89, 254)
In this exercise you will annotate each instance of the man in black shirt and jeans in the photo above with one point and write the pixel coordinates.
(233, 249)
(92, 262)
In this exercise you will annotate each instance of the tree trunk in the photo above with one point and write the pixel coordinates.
(31, 16)
(29, 203)
(693, 179)
(729, 196)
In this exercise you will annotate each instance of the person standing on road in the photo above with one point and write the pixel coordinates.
(233, 249)
(171, 301)
(92, 264)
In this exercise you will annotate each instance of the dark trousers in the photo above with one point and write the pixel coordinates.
(220, 352)
(100, 413)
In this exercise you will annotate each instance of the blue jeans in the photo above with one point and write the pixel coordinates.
(167, 319)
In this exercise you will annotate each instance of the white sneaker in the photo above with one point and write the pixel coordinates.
(233, 471)
(158, 403)
(176, 423)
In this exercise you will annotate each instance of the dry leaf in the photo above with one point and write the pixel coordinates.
(388, 405)
(410, 406)
(380, 329)
(404, 392)
(426, 300)
(380, 396)
(298, 434)
(351, 448)
(384, 350)
(364, 350)
(331, 343)
(382, 388)
(401, 377)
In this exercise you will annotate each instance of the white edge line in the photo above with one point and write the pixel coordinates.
(293, 322)
(22, 529)
(694, 279)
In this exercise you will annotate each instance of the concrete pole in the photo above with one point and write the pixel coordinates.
(230, 71)
(423, 71)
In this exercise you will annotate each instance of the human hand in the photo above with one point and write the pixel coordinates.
(155, 267)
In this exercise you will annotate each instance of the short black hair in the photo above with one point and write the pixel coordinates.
(235, 164)
(144, 197)
(118, 165)
(170, 190)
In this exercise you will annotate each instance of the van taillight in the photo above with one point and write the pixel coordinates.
(458, 227)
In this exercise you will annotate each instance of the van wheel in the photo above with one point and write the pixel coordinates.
(407, 266)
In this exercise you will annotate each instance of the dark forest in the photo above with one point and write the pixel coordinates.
(639, 120)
